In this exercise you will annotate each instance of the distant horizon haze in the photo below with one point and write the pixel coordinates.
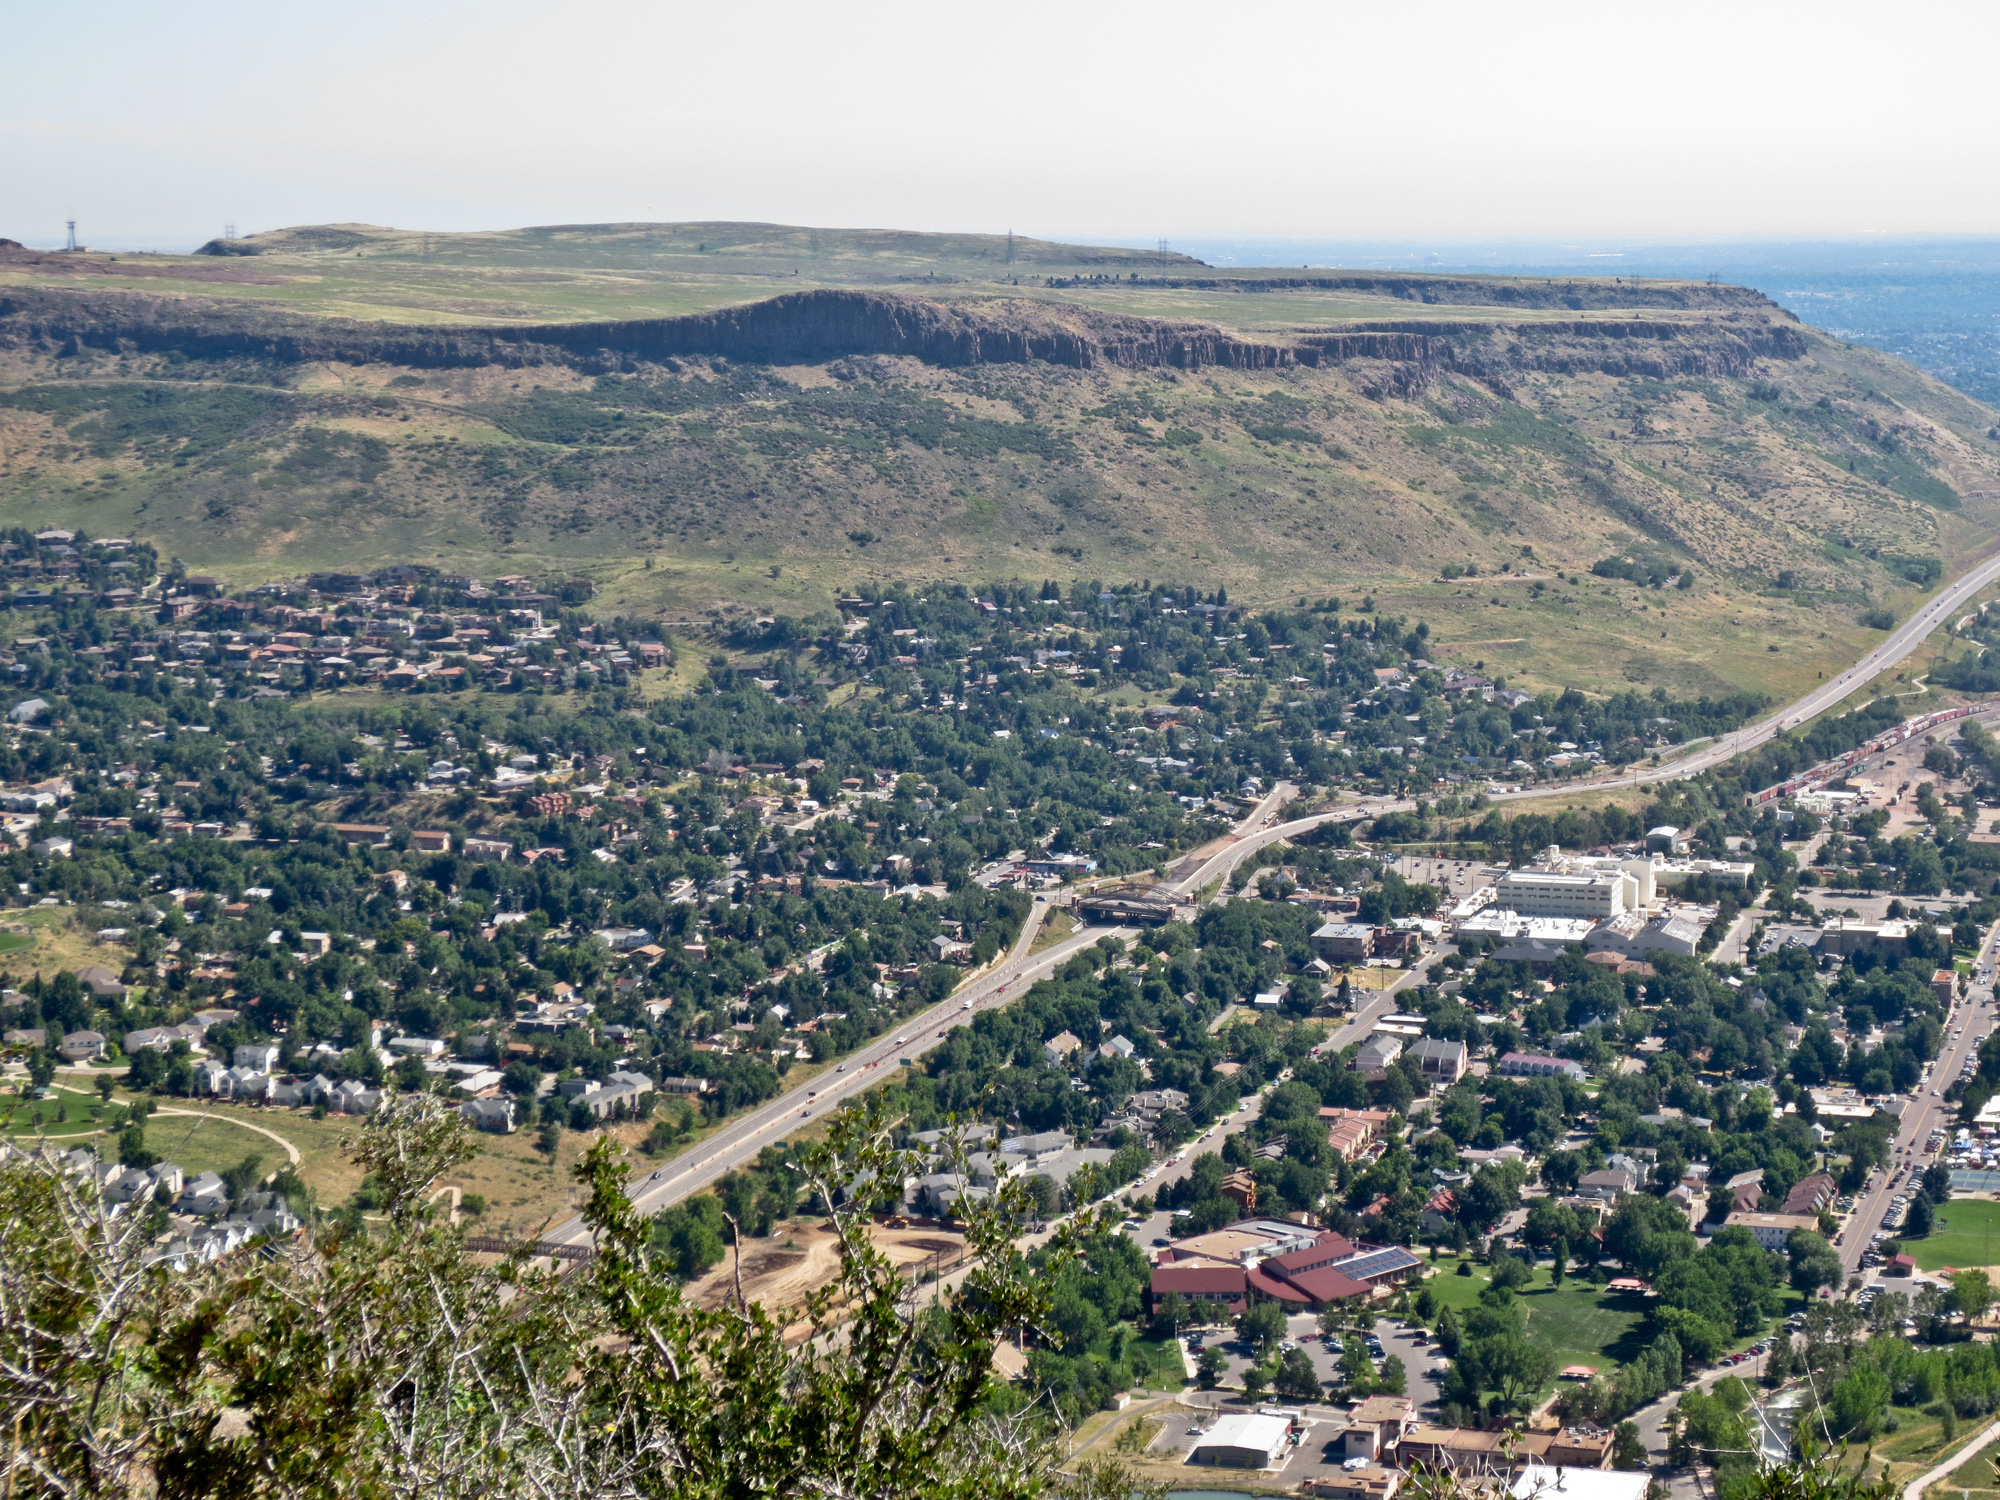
(1285, 121)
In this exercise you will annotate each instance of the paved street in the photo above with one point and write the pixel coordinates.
(743, 1138)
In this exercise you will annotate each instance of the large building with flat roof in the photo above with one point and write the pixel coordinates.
(1558, 893)
(1244, 1440)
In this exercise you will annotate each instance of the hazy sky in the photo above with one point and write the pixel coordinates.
(154, 123)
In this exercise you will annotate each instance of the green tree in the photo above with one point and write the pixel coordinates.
(1296, 1379)
(1262, 1326)
(1209, 1367)
(1394, 1379)
(1647, 1235)
(1972, 1293)
(132, 1150)
(1858, 1405)
(1627, 1449)
(1356, 1368)
(1170, 1316)
(1711, 1426)
(1917, 1222)
(691, 1235)
(1814, 1262)
(391, 1362)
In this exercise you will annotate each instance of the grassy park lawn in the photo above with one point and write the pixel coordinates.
(1975, 1479)
(1967, 1233)
(1916, 1447)
(1584, 1324)
(1162, 1357)
(1581, 1322)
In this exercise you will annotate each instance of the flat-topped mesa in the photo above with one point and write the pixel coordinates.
(1659, 350)
(796, 328)
(1576, 293)
(808, 327)
(811, 327)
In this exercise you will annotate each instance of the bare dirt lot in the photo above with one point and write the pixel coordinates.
(803, 1256)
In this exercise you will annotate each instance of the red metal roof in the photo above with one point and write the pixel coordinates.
(1206, 1281)
(1281, 1290)
(1329, 1285)
(1331, 1246)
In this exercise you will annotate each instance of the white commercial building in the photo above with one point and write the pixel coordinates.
(1674, 873)
(1510, 926)
(1556, 893)
(1244, 1441)
(1644, 870)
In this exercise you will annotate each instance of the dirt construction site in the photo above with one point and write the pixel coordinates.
(798, 1259)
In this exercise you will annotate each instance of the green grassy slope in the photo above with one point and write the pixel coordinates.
(1798, 493)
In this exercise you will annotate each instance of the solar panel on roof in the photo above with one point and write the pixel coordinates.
(1376, 1263)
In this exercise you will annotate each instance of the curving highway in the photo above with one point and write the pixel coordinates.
(741, 1140)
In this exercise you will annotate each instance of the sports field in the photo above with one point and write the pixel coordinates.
(1967, 1233)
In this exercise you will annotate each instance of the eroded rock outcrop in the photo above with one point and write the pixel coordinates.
(817, 326)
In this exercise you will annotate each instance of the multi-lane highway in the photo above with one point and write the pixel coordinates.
(1899, 643)
(742, 1139)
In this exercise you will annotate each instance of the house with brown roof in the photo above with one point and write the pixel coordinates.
(1058, 1047)
(1350, 1132)
(1240, 1188)
(1746, 1191)
(1810, 1195)
(1469, 1450)
(1440, 1214)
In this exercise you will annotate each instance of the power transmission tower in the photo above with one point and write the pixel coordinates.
(1010, 247)
(72, 234)
(1163, 246)
(229, 231)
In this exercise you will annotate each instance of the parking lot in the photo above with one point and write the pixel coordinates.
(1412, 1346)
(1456, 877)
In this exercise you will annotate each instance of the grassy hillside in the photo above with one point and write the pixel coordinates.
(1409, 433)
